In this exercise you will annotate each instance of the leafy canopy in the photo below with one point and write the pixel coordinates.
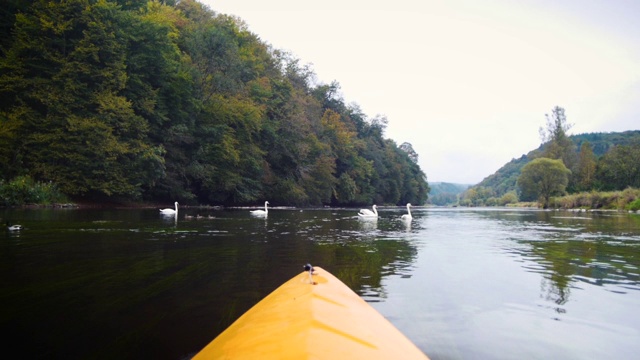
(543, 178)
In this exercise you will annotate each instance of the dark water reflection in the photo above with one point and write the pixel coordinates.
(462, 284)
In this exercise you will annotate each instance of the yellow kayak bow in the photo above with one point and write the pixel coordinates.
(312, 316)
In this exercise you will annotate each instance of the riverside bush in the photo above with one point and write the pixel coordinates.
(634, 205)
(23, 190)
(599, 200)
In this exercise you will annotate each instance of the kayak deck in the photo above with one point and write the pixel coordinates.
(304, 320)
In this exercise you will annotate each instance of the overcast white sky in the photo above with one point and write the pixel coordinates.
(466, 82)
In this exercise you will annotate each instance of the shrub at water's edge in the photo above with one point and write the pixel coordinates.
(23, 190)
(628, 199)
(635, 205)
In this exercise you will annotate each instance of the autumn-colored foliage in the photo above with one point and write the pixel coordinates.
(170, 100)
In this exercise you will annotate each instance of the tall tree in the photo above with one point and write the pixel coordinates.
(542, 178)
(558, 143)
(586, 168)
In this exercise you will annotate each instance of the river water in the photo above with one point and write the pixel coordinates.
(460, 283)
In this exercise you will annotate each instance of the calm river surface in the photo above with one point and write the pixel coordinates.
(460, 283)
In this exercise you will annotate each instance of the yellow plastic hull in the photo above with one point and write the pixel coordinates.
(300, 320)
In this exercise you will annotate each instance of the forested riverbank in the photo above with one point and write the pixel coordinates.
(149, 101)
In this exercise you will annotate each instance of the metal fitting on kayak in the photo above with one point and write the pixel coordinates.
(309, 268)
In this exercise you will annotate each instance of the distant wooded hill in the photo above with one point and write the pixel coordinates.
(504, 180)
(443, 193)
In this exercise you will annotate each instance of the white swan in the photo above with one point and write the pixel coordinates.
(366, 213)
(261, 212)
(169, 211)
(407, 216)
(14, 227)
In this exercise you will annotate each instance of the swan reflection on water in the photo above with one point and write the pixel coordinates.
(368, 223)
(407, 224)
(170, 217)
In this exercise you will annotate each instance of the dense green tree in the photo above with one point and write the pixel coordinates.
(619, 168)
(509, 198)
(345, 190)
(543, 178)
(586, 168)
